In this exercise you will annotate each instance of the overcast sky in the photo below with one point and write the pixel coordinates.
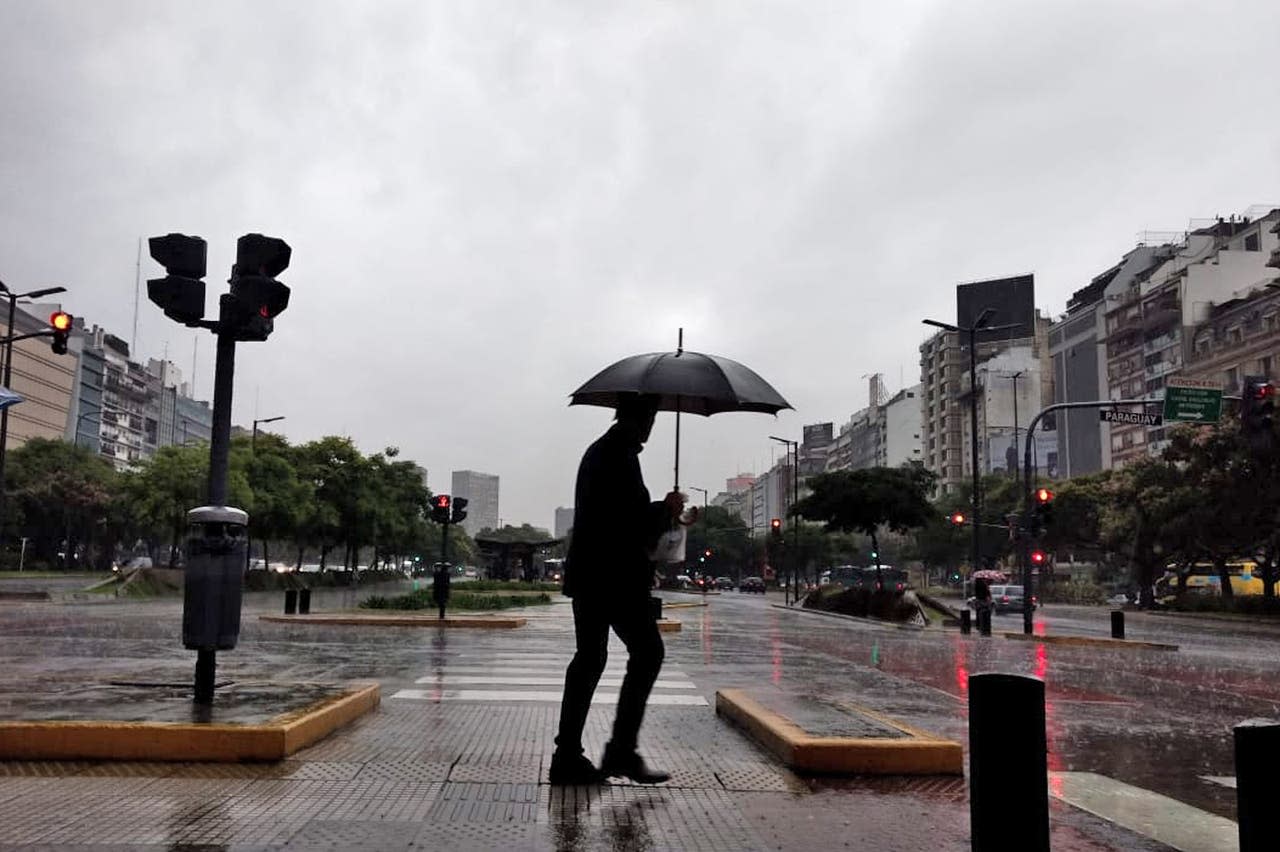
(489, 202)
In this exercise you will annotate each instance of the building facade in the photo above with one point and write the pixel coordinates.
(564, 521)
(481, 492)
(44, 380)
(900, 429)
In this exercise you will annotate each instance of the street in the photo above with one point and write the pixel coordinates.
(458, 749)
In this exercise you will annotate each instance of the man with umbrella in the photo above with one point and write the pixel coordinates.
(608, 575)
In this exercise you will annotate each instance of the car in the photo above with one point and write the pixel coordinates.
(1009, 599)
(724, 583)
(751, 584)
(683, 581)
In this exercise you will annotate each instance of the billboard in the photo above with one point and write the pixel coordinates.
(1012, 301)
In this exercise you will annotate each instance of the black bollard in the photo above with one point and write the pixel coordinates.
(966, 621)
(1117, 624)
(1008, 764)
(304, 601)
(655, 607)
(290, 601)
(1257, 750)
(984, 622)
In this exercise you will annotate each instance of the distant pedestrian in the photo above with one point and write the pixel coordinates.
(982, 605)
(609, 576)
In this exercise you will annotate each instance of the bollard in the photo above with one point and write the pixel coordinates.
(1117, 624)
(655, 608)
(290, 601)
(1257, 750)
(304, 602)
(984, 621)
(1008, 764)
(966, 621)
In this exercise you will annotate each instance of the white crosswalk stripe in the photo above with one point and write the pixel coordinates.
(515, 677)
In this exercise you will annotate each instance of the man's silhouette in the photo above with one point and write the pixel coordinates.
(608, 575)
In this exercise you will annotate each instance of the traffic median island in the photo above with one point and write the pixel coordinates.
(238, 730)
(1090, 641)
(401, 619)
(669, 625)
(837, 738)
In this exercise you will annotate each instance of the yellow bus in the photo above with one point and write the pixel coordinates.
(1203, 579)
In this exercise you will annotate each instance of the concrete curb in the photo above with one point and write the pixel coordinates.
(669, 625)
(887, 625)
(1091, 641)
(683, 605)
(919, 753)
(171, 741)
(355, 619)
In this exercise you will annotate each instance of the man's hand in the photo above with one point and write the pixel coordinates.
(675, 503)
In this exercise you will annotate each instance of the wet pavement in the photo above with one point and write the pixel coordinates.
(456, 756)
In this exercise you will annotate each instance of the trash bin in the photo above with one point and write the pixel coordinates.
(655, 607)
(213, 581)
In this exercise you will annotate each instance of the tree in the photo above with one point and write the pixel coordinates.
(61, 499)
(869, 499)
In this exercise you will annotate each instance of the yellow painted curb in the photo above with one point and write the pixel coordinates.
(917, 754)
(682, 605)
(1091, 641)
(177, 741)
(496, 623)
(669, 625)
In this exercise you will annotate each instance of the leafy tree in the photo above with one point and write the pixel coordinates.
(60, 498)
(867, 500)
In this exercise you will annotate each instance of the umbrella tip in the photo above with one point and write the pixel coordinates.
(680, 343)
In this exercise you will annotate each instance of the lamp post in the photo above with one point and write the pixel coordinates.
(707, 540)
(793, 448)
(8, 376)
(979, 324)
(1014, 378)
(253, 451)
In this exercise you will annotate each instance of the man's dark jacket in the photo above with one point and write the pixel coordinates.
(615, 525)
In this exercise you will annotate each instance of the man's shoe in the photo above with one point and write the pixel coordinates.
(630, 765)
(574, 771)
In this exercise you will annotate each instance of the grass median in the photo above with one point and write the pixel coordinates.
(466, 601)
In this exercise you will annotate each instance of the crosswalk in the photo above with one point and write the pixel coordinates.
(514, 677)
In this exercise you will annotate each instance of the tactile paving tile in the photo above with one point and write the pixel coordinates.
(406, 770)
(461, 802)
(497, 772)
(486, 836)
(758, 777)
(358, 834)
(41, 768)
(322, 770)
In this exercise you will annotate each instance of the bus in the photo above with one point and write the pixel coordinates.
(1204, 579)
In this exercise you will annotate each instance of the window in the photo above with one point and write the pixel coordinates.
(1264, 366)
(1232, 378)
(1251, 242)
(1235, 335)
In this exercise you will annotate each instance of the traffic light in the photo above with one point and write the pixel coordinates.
(61, 322)
(1257, 411)
(1038, 558)
(440, 508)
(957, 518)
(1042, 512)
(707, 553)
(775, 527)
(459, 510)
(257, 298)
(874, 556)
(180, 294)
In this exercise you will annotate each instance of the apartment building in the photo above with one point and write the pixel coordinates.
(481, 492)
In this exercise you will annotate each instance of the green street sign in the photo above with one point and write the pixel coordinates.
(1192, 400)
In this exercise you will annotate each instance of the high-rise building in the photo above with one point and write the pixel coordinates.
(564, 521)
(481, 492)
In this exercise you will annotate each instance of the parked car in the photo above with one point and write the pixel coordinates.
(725, 583)
(751, 584)
(1008, 599)
(683, 581)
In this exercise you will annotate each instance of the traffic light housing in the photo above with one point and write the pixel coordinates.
(257, 298)
(1038, 558)
(61, 322)
(957, 518)
(1042, 511)
(459, 510)
(775, 528)
(440, 508)
(180, 294)
(1257, 411)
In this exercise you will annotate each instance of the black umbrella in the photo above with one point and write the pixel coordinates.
(683, 382)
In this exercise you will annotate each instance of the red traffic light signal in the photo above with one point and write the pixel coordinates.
(1038, 557)
(957, 518)
(442, 501)
(707, 553)
(61, 322)
(1043, 495)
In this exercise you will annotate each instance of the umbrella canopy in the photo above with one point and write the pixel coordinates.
(683, 381)
(8, 398)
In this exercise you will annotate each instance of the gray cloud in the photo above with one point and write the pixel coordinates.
(490, 202)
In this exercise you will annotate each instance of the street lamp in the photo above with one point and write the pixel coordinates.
(253, 444)
(253, 449)
(793, 447)
(8, 371)
(707, 541)
(979, 324)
